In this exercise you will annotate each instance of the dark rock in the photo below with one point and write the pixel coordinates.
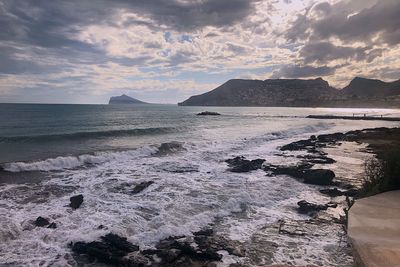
(317, 159)
(296, 171)
(76, 201)
(351, 192)
(120, 243)
(100, 251)
(208, 113)
(112, 250)
(53, 225)
(240, 164)
(299, 145)
(332, 192)
(169, 255)
(331, 138)
(41, 222)
(311, 208)
(142, 186)
(318, 176)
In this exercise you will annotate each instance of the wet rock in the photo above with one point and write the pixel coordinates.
(142, 186)
(41, 222)
(332, 192)
(299, 145)
(303, 172)
(100, 251)
(330, 138)
(241, 164)
(111, 250)
(53, 225)
(306, 207)
(120, 243)
(318, 176)
(208, 113)
(317, 159)
(76, 201)
(335, 192)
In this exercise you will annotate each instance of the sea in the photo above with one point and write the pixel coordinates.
(50, 152)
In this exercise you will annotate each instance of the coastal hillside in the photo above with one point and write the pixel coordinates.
(124, 99)
(300, 93)
(362, 87)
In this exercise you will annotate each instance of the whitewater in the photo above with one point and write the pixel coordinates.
(103, 152)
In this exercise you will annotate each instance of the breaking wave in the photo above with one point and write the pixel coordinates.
(71, 162)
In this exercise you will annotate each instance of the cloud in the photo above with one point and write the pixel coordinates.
(325, 52)
(296, 71)
(103, 47)
(367, 21)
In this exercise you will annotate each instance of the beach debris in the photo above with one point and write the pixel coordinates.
(76, 201)
(241, 164)
(140, 187)
(208, 113)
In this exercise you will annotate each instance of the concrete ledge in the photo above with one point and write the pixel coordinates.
(374, 230)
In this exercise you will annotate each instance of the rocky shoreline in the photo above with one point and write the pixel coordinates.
(206, 247)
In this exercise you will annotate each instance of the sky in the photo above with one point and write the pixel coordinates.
(163, 51)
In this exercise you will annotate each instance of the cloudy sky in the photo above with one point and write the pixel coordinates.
(84, 51)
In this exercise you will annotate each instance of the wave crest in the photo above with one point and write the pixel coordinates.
(71, 162)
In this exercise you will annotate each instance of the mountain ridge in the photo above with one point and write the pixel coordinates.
(361, 92)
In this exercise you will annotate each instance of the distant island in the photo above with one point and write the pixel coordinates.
(124, 99)
(361, 92)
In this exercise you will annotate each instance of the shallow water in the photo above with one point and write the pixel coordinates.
(98, 151)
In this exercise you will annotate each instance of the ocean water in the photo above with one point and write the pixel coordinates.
(50, 152)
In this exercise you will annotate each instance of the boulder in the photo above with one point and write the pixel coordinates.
(41, 222)
(76, 201)
(240, 164)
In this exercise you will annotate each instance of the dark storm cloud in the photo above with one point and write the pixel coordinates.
(297, 71)
(52, 23)
(324, 52)
(341, 20)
